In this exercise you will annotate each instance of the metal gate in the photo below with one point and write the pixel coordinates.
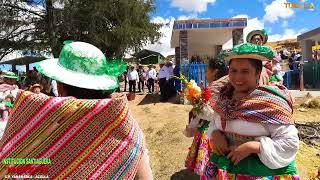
(311, 75)
(194, 72)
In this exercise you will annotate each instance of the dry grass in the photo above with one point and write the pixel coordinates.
(162, 124)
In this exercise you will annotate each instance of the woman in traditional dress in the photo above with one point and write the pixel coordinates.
(5, 107)
(252, 132)
(260, 37)
(85, 134)
(198, 155)
(9, 86)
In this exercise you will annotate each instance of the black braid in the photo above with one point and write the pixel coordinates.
(82, 93)
(219, 65)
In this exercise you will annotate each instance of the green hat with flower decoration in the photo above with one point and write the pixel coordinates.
(83, 65)
(249, 51)
(10, 75)
(263, 33)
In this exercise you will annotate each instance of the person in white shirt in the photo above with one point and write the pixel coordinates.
(171, 86)
(133, 78)
(163, 78)
(151, 75)
(54, 88)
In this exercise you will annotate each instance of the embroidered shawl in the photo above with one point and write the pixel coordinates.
(266, 104)
(82, 138)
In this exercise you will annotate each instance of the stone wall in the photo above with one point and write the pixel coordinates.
(183, 41)
(177, 55)
(218, 49)
(237, 36)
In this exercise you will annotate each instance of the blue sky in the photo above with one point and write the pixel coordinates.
(272, 15)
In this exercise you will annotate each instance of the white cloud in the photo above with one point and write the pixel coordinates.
(186, 17)
(231, 11)
(241, 16)
(285, 24)
(192, 5)
(264, 2)
(163, 46)
(287, 34)
(277, 10)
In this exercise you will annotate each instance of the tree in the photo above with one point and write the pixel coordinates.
(114, 26)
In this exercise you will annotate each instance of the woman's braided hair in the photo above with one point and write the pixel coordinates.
(219, 65)
(82, 93)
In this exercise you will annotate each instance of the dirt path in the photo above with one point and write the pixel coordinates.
(162, 124)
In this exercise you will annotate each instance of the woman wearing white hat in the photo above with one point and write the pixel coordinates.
(83, 133)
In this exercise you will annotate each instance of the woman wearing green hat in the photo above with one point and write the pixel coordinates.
(9, 86)
(83, 133)
(259, 37)
(253, 134)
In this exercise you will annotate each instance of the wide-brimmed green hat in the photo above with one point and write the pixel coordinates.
(249, 51)
(10, 75)
(263, 33)
(83, 65)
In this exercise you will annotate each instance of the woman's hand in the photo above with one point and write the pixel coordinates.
(219, 143)
(243, 151)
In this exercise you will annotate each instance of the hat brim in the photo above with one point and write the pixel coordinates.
(35, 86)
(53, 70)
(246, 56)
(257, 32)
(10, 77)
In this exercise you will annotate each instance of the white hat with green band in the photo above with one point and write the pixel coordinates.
(83, 65)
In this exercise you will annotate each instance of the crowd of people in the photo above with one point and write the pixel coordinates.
(164, 79)
(11, 83)
(89, 132)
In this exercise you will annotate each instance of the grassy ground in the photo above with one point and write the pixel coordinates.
(162, 124)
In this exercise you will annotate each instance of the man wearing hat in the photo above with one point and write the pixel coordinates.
(151, 75)
(36, 88)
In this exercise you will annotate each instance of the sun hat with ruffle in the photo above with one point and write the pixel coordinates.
(249, 51)
(83, 65)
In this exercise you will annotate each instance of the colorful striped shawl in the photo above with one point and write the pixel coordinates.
(82, 138)
(266, 104)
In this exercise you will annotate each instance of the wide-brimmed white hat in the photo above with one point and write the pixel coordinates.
(83, 65)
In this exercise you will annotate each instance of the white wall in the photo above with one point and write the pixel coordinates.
(201, 50)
